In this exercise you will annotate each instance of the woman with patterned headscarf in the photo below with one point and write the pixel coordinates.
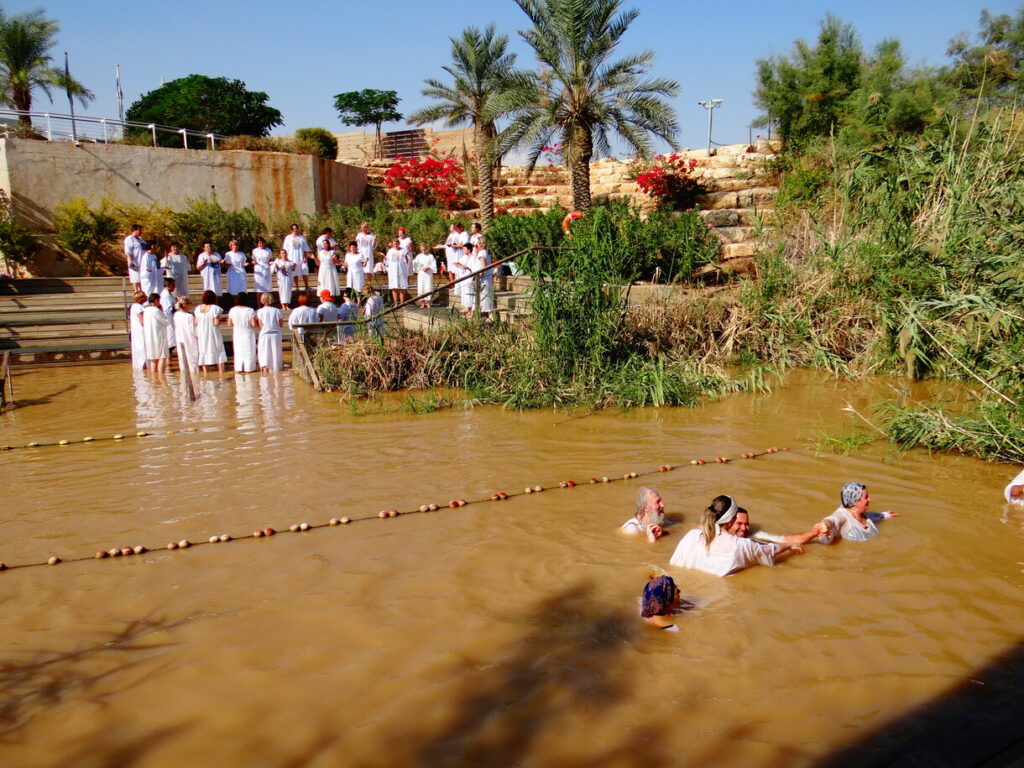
(720, 548)
(851, 520)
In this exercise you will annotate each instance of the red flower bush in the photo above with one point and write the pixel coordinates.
(426, 181)
(669, 180)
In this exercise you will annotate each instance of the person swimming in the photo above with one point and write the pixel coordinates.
(660, 602)
(852, 520)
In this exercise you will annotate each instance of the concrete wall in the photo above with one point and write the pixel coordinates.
(40, 175)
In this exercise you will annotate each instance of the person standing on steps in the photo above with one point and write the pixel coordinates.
(134, 246)
(297, 247)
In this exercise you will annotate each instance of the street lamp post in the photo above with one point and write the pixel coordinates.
(710, 105)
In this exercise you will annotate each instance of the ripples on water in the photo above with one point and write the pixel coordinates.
(492, 634)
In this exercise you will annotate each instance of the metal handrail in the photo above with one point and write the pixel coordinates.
(107, 122)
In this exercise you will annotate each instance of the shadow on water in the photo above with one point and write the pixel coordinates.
(23, 402)
(564, 665)
(978, 722)
(47, 678)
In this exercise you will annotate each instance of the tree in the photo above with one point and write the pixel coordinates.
(320, 139)
(25, 64)
(368, 107)
(581, 96)
(805, 92)
(205, 105)
(995, 66)
(480, 69)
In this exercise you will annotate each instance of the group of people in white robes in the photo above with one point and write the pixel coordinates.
(466, 253)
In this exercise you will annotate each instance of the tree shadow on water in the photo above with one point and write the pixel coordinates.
(45, 679)
(560, 668)
(975, 723)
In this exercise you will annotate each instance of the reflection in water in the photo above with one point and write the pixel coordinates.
(494, 634)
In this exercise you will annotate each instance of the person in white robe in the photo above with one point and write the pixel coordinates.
(242, 320)
(393, 261)
(327, 274)
(175, 264)
(326, 238)
(649, 518)
(425, 267)
(484, 283)
(355, 277)
(268, 320)
(208, 263)
(718, 548)
(154, 328)
(134, 245)
(405, 244)
(1014, 491)
(135, 333)
(852, 520)
(235, 263)
(347, 312)
(475, 233)
(296, 246)
(211, 342)
(327, 312)
(366, 242)
(374, 306)
(150, 273)
(167, 303)
(185, 334)
(262, 258)
(283, 268)
(302, 315)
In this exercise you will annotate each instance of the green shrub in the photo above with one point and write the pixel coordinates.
(17, 244)
(320, 140)
(86, 232)
(206, 220)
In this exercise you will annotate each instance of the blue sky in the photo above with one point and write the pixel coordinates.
(304, 51)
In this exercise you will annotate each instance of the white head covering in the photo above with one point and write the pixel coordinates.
(728, 517)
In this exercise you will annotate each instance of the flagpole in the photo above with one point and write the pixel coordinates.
(120, 96)
(71, 101)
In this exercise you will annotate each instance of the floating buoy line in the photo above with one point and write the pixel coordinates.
(384, 514)
(90, 439)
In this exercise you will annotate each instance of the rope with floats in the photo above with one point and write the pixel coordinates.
(90, 439)
(384, 514)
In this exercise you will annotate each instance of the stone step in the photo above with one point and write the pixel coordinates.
(737, 250)
(731, 217)
(736, 234)
(748, 198)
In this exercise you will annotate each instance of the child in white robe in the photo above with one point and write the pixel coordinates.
(242, 320)
(283, 268)
(268, 319)
(425, 266)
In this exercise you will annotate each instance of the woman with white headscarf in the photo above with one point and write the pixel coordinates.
(852, 520)
(719, 546)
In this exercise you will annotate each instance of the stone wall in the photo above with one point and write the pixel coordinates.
(40, 175)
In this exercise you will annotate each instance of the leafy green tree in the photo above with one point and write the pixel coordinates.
(994, 67)
(25, 64)
(207, 105)
(582, 96)
(322, 140)
(805, 92)
(480, 68)
(368, 107)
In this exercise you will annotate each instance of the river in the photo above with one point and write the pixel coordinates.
(498, 633)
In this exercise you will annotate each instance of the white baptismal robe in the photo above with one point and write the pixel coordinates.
(727, 553)
(842, 524)
(154, 327)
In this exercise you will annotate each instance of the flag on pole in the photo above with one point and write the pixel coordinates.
(120, 95)
(71, 101)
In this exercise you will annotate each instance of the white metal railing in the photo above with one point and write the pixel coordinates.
(57, 126)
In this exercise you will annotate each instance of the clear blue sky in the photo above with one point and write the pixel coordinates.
(303, 52)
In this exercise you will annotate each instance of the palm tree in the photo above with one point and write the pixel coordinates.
(25, 64)
(480, 67)
(580, 95)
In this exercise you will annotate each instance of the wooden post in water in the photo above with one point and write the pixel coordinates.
(6, 384)
(186, 372)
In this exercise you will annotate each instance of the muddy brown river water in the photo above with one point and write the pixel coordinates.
(499, 633)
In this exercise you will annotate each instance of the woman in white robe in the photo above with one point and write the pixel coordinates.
(242, 320)
(175, 264)
(268, 320)
(355, 276)
(154, 329)
(479, 260)
(211, 342)
(150, 275)
(208, 264)
(185, 334)
(262, 259)
(135, 333)
(366, 241)
(425, 266)
(327, 275)
(852, 520)
(393, 262)
(283, 268)
(235, 264)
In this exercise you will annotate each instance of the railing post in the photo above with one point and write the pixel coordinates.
(49, 128)
(152, 128)
(103, 123)
(184, 137)
(213, 141)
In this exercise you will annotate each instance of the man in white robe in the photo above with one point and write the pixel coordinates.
(297, 247)
(134, 246)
